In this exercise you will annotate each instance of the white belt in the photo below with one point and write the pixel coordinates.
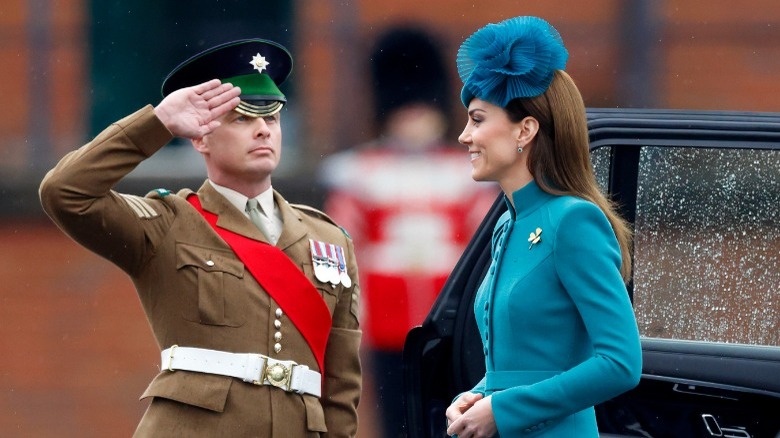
(253, 368)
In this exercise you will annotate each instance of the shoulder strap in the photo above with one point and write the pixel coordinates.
(320, 215)
(283, 281)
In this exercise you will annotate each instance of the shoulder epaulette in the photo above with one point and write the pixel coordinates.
(311, 211)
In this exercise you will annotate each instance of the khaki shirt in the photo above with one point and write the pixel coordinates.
(163, 244)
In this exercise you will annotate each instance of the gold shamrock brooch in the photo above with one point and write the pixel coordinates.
(535, 238)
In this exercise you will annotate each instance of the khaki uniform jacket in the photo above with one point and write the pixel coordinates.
(164, 245)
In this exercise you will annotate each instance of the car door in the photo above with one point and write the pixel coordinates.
(702, 191)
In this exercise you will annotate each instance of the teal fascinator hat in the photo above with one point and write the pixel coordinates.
(514, 58)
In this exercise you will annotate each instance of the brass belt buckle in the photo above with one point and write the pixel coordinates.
(279, 375)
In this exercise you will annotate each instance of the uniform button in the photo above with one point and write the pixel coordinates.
(277, 323)
(277, 347)
(209, 262)
(279, 313)
(278, 336)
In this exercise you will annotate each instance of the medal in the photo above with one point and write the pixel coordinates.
(333, 265)
(329, 263)
(343, 276)
(319, 262)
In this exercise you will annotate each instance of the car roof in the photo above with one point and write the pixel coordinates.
(696, 128)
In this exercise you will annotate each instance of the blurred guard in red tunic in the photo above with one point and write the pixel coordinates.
(408, 201)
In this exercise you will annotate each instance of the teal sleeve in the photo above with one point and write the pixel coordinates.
(478, 389)
(587, 261)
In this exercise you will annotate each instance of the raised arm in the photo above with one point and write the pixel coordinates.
(77, 193)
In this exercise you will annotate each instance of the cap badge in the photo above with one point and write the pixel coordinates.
(259, 63)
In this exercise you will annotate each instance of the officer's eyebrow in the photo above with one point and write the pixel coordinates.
(230, 115)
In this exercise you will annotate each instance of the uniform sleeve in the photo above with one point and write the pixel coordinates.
(587, 260)
(77, 193)
(343, 379)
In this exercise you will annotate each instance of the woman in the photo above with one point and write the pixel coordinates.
(556, 322)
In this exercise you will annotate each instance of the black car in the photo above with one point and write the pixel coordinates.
(702, 191)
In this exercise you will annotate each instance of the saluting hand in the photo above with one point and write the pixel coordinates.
(192, 112)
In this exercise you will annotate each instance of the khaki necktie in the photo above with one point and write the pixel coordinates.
(255, 215)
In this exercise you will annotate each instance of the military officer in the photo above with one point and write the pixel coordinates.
(253, 301)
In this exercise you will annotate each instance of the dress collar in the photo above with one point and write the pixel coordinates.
(527, 199)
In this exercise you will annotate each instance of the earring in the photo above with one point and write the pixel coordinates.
(519, 149)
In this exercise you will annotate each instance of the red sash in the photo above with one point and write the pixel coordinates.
(283, 281)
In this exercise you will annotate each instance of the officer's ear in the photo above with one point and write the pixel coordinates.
(200, 145)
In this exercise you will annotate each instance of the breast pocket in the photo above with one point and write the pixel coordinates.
(328, 291)
(218, 276)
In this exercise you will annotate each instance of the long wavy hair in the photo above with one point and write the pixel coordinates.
(560, 159)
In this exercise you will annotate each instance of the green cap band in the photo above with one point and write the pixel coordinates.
(257, 87)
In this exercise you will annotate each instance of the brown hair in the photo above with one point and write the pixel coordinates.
(559, 161)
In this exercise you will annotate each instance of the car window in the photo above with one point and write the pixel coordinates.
(707, 245)
(600, 160)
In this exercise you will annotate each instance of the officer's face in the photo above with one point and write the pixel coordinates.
(492, 140)
(242, 149)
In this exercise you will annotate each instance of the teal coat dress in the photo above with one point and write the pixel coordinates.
(556, 322)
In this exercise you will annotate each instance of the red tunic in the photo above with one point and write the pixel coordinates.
(410, 216)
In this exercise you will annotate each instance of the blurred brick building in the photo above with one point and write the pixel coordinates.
(76, 348)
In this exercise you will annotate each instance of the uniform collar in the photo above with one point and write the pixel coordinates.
(234, 219)
(527, 199)
(265, 199)
(231, 217)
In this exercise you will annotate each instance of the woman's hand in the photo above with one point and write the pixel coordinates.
(471, 416)
(192, 112)
(461, 405)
